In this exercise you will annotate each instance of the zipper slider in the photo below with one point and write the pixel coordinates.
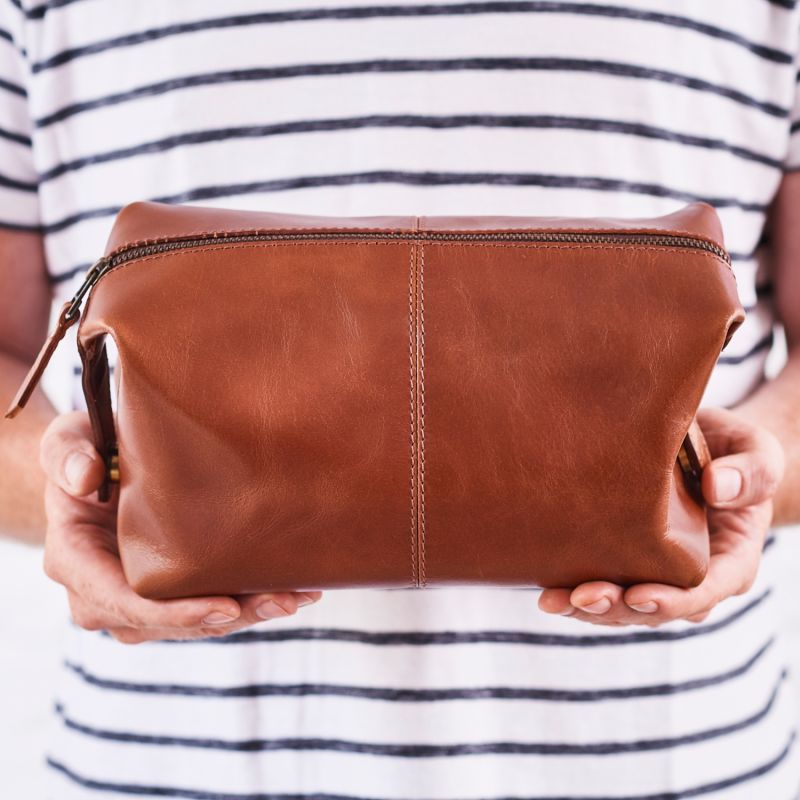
(69, 315)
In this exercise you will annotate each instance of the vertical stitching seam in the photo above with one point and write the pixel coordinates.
(412, 410)
(421, 406)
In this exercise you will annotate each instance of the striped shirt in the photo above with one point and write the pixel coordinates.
(613, 108)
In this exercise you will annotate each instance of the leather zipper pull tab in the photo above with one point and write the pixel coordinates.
(65, 322)
(70, 314)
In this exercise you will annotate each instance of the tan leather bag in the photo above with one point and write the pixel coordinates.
(310, 403)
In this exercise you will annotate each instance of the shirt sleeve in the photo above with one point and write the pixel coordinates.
(19, 206)
(792, 161)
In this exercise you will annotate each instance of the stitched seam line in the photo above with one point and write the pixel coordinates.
(412, 409)
(421, 407)
(505, 245)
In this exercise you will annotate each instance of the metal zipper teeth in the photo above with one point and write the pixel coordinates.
(659, 240)
(132, 253)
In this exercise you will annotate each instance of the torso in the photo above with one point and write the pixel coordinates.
(538, 109)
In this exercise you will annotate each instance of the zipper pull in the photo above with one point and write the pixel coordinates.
(69, 315)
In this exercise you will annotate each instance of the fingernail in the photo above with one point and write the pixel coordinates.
(269, 609)
(727, 484)
(305, 600)
(218, 618)
(648, 607)
(75, 468)
(598, 607)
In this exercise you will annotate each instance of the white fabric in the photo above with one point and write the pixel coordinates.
(575, 108)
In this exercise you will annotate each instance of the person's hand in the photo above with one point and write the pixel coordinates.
(738, 487)
(81, 554)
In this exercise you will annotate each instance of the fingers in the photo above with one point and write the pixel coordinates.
(79, 558)
(748, 460)
(260, 607)
(100, 598)
(733, 568)
(81, 554)
(68, 455)
(597, 598)
(556, 601)
(598, 602)
(740, 480)
(736, 549)
(277, 605)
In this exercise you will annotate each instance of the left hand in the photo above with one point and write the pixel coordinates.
(738, 487)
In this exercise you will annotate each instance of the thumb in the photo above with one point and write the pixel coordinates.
(742, 479)
(69, 457)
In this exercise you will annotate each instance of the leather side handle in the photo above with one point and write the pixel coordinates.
(693, 458)
(97, 390)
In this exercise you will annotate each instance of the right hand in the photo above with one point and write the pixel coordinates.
(81, 554)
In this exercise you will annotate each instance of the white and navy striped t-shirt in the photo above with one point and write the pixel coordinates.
(620, 107)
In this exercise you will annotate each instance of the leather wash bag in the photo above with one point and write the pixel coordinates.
(311, 403)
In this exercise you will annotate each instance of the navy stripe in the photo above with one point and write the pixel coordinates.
(7, 36)
(15, 137)
(413, 65)
(427, 10)
(61, 277)
(748, 309)
(790, 4)
(195, 794)
(22, 227)
(14, 183)
(763, 294)
(589, 183)
(421, 695)
(517, 121)
(766, 289)
(387, 750)
(38, 12)
(795, 126)
(513, 637)
(12, 87)
(761, 345)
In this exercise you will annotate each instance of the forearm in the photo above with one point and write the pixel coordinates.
(776, 406)
(22, 483)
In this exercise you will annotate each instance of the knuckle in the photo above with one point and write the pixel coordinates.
(89, 622)
(127, 636)
(126, 615)
(85, 617)
(665, 614)
(50, 447)
(763, 479)
(745, 585)
(52, 565)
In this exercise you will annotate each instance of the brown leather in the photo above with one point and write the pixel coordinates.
(64, 322)
(404, 411)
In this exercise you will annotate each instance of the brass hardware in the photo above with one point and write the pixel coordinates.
(113, 467)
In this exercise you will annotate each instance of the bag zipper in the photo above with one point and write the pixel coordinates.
(134, 252)
(71, 310)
